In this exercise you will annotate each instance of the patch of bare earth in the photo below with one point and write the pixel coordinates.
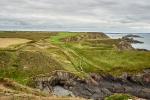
(6, 42)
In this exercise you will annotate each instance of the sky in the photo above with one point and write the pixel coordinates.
(75, 15)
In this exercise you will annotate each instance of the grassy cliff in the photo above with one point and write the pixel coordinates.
(76, 52)
(79, 53)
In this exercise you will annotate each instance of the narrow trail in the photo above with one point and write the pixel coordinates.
(80, 57)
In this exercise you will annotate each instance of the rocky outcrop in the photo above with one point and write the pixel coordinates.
(124, 45)
(133, 36)
(97, 86)
(11, 90)
(131, 40)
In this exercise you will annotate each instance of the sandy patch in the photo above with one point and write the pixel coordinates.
(6, 42)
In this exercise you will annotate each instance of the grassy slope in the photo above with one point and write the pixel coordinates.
(82, 57)
(116, 62)
(35, 36)
(103, 56)
(22, 65)
(119, 97)
(56, 39)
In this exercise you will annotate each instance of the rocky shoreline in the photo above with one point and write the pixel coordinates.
(96, 86)
(127, 40)
(133, 36)
(131, 40)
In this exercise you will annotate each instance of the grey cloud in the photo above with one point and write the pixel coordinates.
(88, 15)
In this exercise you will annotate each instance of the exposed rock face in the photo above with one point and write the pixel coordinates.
(97, 86)
(60, 91)
(11, 90)
(124, 45)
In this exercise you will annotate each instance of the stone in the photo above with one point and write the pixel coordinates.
(146, 78)
(60, 91)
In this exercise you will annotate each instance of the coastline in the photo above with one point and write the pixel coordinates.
(143, 37)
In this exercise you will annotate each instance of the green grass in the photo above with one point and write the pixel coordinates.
(81, 58)
(118, 97)
(10, 68)
(116, 62)
(101, 56)
(57, 39)
(19, 76)
(21, 66)
(35, 36)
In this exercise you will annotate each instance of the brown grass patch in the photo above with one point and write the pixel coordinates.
(6, 42)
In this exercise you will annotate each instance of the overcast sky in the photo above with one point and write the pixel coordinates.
(76, 15)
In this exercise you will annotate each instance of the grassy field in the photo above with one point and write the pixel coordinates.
(116, 62)
(101, 55)
(119, 97)
(35, 36)
(23, 65)
(57, 39)
(78, 53)
(93, 54)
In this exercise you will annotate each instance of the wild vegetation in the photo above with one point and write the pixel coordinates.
(79, 53)
(119, 97)
(35, 36)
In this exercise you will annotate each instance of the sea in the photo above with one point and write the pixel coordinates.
(144, 37)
